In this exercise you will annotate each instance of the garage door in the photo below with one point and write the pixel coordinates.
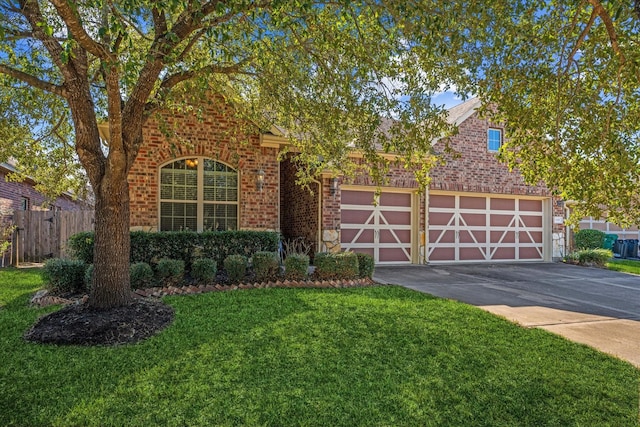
(477, 228)
(382, 230)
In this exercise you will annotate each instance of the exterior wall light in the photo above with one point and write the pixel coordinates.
(259, 180)
(334, 186)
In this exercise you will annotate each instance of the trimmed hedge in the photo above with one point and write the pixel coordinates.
(589, 239)
(266, 265)
(341, 265)
(236, 267)
(64, 275)
(150, 247)
(366, 265)
(296, 266)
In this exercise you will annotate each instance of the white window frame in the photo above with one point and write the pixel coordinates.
(200, 202)
(489, 139)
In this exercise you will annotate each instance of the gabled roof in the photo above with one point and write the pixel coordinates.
(462, 112)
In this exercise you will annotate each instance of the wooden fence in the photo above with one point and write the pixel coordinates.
(40, 235)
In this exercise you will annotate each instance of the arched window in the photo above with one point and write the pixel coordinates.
(198, 194)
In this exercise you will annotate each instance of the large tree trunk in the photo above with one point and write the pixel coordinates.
(111, 283)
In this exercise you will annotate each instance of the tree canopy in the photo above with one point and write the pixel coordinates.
(566, 78)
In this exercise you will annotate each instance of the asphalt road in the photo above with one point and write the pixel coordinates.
(553, 285)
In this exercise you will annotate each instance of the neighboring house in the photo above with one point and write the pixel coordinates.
(475, 210)
(37, 241)
(22, 196)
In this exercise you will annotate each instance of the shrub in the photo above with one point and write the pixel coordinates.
(150, 247)
(266, 265)
(597, 257)
(141, 275)
(341, 265)
(64, 275)
(80, 246)
(589, 239)
(88, 277)
(296, 266)
(171, 269)
(236, 267)
(365, 265)
(204, 269)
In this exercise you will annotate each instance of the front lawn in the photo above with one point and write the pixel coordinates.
(326, 357)
(624, 265)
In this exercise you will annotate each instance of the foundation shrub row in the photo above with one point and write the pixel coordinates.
(195, 262)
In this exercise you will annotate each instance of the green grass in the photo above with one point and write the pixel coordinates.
(360, 356)
(624, 265)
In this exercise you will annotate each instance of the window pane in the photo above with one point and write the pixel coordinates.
(220, 217)
(178, 216)
(494, 139)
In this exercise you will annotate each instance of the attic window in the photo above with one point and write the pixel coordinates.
(494, 139)
(198, 194)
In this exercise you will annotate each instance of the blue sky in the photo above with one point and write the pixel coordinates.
(449, 99)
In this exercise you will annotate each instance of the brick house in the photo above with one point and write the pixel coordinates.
(475, 209)
(21, 196)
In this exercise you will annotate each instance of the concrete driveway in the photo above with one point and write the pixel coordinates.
(597, 307)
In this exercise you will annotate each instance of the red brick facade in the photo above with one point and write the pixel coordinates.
(299, 206)
(217, 136)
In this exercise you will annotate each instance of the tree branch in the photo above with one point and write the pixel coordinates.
(174, 79)
(33, 81)
(611, 31)
(30, 9)
(73, 22)
(581, 38)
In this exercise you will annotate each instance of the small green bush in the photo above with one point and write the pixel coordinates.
(266, 265)
(296, 266)
(64, 275)
(589, 239)
(204, 269)
(341, 265)
(171, 269)
(365, 265)
(236, 267)
(596, 257)
(80, 246)
(141, 275)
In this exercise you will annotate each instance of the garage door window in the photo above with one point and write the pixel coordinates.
(198, 194)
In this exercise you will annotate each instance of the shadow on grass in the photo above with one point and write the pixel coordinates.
(367, 356)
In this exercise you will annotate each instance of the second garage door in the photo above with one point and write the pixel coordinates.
(381, 229)
(484, 228)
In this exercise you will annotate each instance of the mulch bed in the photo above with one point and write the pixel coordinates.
(78, 324)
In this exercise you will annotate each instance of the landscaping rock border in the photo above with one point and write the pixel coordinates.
(199, 289)
(43, 299)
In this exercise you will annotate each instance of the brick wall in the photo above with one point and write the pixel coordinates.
(299, 206)
(477, 169)
(216, 135)
(11, 194)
